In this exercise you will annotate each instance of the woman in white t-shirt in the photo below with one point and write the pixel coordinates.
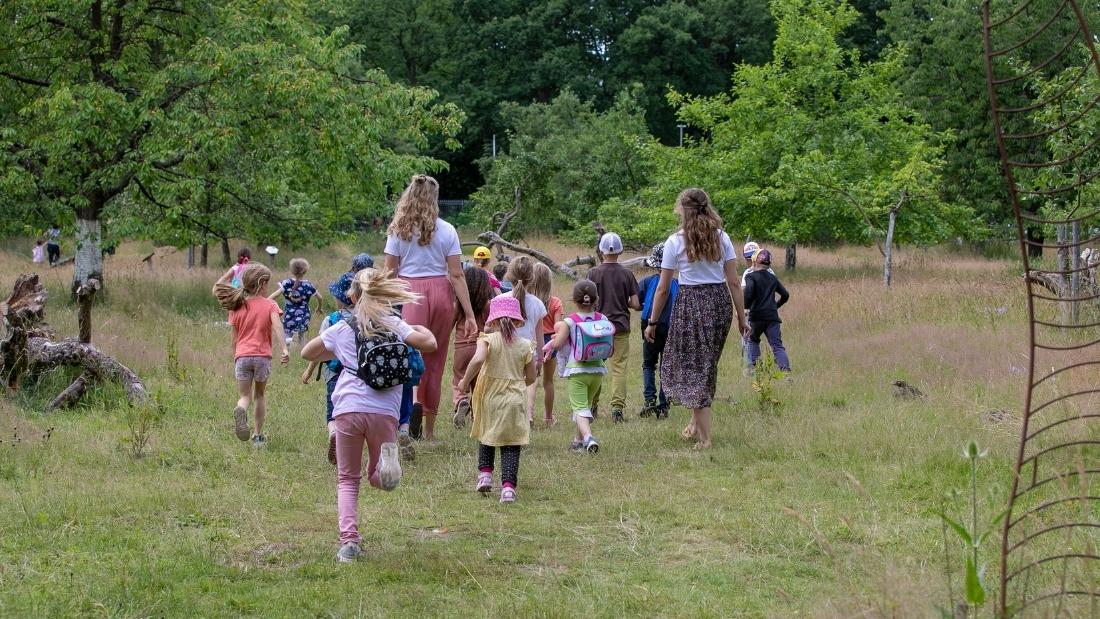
(703, 255)
(423, 250)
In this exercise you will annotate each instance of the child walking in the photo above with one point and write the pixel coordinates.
(482, 257)
(585, 369)
(481, 292)
(541, 283)
(254, 319)
(761, 286)
(363, 414)
(656, 403)
(233, 275)
(618, 294)
(38, 254)
(297, 291)
(504, 365)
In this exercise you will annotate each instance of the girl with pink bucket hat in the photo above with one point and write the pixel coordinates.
(503, 366)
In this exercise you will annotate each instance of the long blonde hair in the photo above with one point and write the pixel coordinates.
(520, 272)
(377, 293)
(253, 279)
(541, 282)
(701, 225)
(417, 209)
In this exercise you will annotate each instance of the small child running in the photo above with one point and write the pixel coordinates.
(38, 254)
(365, 415)
(254, 318)
(656, 403)
(504, 365)
(583, 378)
(761, 286)
(297, 291)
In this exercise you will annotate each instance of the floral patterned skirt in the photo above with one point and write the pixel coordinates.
(700, 323)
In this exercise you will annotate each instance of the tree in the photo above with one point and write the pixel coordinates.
(246, 112)
(815, 145)
(565, 158)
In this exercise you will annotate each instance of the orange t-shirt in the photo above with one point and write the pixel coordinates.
(554, 309)
(252, 327)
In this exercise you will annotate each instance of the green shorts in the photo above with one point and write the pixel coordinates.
(582, 389)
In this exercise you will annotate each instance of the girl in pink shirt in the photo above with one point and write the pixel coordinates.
(254, 319)
(363, 415)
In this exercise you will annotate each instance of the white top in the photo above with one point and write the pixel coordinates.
(425, 260)
(352, 395)
(700, 271)
(535, 311)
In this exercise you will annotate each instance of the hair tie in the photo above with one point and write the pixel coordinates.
(587, 300)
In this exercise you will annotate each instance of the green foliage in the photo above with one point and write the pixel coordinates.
(816, 145)
(234, 118)
(764, 377)
(566, 158)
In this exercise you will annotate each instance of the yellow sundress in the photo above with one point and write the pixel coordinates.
(499, 397)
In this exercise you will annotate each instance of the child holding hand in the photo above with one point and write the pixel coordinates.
(583, 377)
(504, 365)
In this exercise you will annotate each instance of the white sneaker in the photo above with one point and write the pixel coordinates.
(389, 466)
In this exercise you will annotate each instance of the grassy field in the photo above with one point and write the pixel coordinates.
(824, 507)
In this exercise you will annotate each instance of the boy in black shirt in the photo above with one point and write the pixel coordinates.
(761, 287)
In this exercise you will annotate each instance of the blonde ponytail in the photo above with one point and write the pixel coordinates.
(521, 271)
(378, 293)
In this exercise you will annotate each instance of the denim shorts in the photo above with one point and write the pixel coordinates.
(255, 369)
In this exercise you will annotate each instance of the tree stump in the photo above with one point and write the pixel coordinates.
(29, 347)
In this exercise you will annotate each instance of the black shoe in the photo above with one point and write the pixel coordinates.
(617, 415)
(662, 412)
(649, 409)
(416, 422)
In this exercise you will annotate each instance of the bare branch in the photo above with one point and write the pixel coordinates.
(26, 80)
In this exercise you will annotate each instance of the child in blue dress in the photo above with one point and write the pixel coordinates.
(297, 291)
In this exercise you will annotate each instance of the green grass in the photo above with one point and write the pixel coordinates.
(824, 508)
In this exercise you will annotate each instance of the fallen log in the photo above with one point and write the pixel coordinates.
(28, 347)
(562, 269)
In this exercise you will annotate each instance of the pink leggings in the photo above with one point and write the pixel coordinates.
(352, 431)
(436, 311)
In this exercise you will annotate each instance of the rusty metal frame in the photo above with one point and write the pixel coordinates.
(1023, 483)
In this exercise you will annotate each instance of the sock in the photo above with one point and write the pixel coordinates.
(509, 484)
(485, 469)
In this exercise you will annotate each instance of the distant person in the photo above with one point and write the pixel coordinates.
(618, 292)
(521, 274)
(423, 250)
(761, 286)
(541, 285)
(747, 252)
(504, 365)
(586, 352)
(709, 292)
(244, 258)
(656, 403)
(38, 253)
(254, 319)
(481, 293)
(482, 257)
(366, 416)
(500, 269)
(297, 291)
(53, 246)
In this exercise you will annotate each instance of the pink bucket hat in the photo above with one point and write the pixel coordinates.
(504, 306)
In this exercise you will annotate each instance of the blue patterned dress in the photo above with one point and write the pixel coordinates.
(296, 311)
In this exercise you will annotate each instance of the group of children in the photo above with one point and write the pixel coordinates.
(370, 356)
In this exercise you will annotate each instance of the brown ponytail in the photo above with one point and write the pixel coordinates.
(521, 271)
(507, 328)
(701, 225)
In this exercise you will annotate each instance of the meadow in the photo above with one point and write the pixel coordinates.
(821, 506)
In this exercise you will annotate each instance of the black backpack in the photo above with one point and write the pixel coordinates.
(383, 358)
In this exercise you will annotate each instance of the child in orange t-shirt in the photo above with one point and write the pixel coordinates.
(254, 318)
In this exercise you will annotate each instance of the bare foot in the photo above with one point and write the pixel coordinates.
(688, 433)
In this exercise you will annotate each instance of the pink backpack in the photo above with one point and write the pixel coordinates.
(593, 338)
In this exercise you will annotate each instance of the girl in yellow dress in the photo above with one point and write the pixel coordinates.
(504, 364)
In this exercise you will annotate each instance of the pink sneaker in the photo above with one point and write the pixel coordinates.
(484, 482)
(508, 495)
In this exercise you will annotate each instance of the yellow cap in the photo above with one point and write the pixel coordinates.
(483, 253)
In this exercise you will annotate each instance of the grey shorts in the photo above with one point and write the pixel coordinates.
(256, 369)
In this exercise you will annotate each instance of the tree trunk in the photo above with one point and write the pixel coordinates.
(89, 258)
(190, 257)
(85, 296)
(226, 258)
(1034, 235)
(204, 254)
(792, 257)
(888, 250)
(1075, 264)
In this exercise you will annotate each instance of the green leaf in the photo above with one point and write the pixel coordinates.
(958, 528)
(975, 591)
